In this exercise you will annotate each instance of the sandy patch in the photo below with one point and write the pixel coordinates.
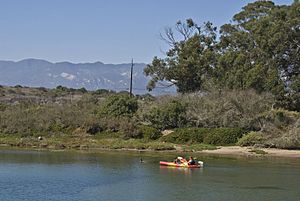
(246, 151)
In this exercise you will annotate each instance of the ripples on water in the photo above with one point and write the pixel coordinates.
(33, 175)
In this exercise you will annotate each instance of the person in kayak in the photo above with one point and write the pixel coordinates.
(191, 161)
(177, 160)
(180, 160)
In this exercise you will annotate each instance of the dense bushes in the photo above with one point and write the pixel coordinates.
(149, 133)
(214, 136)
(227, 108)
(186, 135)
(167, 115)
(213, 118)
(119, 105)
(223, 136)
(281, 129)
(250, 139)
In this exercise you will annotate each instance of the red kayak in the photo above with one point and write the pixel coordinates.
(183, 165)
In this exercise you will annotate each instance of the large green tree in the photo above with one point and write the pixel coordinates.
(189, 61)
(260, 49)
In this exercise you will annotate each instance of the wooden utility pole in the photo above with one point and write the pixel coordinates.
(131, 71)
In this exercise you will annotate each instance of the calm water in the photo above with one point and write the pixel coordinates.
(32, 175)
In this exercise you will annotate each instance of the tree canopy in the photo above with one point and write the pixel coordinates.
(189, 60)
(259, 49)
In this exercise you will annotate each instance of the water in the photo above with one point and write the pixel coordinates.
(49, 176)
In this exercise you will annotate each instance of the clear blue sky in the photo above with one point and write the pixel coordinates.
(111, 31)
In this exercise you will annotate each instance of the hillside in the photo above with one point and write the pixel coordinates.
(92, 76)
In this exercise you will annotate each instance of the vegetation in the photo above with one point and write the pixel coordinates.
(258, 50)
(195, 120)
(251, 139)
(119, 105)
(258, 151)
(167, 115)
(213, 136)
(240, 88)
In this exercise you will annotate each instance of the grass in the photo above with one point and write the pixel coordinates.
(94, 142)
(70, 142)
(258, 151)
(115, 143)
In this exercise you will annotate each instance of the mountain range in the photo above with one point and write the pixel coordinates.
(92, 76)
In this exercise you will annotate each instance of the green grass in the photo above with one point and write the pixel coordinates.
(258, 151)
(96, 142)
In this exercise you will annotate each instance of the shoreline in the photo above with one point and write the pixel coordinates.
(253, 152)
(222, 151)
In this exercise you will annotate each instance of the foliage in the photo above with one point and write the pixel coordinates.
(103, 92)
(60, 88)
(251, 139)
(149, 133)
(130, 129)
(258, 151)
(214, 136)
(223, 136)
(281, 129)
(290, 139)
(258, 50)
(189, 60)
(51, 117)
(186, 135)
(261, 49)
(119, 105)
(167, 115)
(227, 108)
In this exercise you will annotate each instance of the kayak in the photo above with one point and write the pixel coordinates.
(183, 165)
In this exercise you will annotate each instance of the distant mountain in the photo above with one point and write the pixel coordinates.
(92, 76)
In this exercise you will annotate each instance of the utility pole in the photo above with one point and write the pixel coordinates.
(131, 70)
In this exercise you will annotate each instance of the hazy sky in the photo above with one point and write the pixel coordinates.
(111, 31)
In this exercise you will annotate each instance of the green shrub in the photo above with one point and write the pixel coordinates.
(169, 115)
(129, 128)
(223, 136)
(94, 128)
(2, 107)
(186, 135)
(103, 92)
(149, 133)
(108, 135)
(119, 105)
(258, 151)
(227, 108)
(214, 136)
(82, 90)
(251, 139)
(56, 127)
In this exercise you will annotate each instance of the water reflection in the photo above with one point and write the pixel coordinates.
(179, 170)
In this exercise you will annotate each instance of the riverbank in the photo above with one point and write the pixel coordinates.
(94, 145)
(252, 151)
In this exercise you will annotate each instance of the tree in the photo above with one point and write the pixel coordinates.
(260, 49)
(190, 59)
